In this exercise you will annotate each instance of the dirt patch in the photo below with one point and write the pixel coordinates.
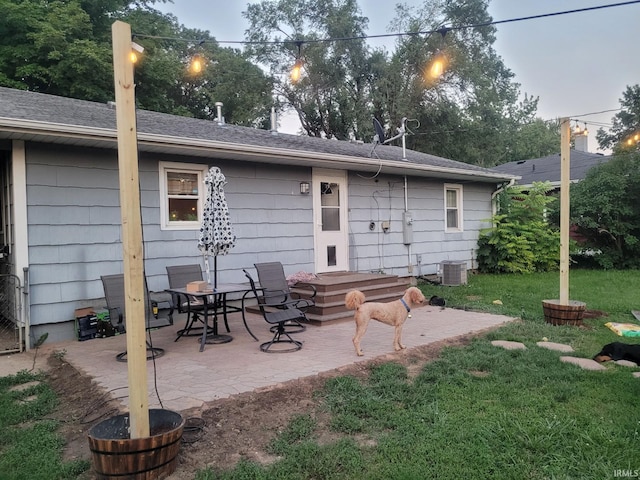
(229, 429)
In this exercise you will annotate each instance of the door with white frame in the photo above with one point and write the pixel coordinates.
(330, 219)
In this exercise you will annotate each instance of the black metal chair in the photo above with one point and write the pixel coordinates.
(114, 295)
(179, 276)
(277, 315)
(276, 292)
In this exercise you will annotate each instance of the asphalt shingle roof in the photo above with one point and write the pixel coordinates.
(62, 112)
(549, 168)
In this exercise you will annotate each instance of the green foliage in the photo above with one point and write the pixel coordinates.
(299, 429)
(27, 434)
(64, 48)
(332, 97)
(604, 207)
(521, 239)
(626, 124)
(471, 114)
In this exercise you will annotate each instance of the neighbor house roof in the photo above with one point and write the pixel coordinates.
(548, 168)
(47, 118)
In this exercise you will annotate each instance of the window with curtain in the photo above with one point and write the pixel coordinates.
(182, 194)
(453, 208)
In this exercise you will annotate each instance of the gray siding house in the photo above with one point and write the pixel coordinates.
(369, 208)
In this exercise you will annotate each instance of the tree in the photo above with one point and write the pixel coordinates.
(64, 48)
(332, 98)
(604, 208)
(471, 114)
(47, 46)
(625, 132)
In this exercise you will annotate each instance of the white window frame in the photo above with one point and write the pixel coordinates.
(459, 207)
(173, 167)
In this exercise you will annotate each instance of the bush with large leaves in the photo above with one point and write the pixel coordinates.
(521, 239)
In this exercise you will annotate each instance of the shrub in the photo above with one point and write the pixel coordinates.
(604, 207)
(521, 239)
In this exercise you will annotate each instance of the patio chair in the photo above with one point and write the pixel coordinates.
(114, 295)
(276, 291)
(277, 315)
(179, 276)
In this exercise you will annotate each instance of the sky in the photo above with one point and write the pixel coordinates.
(577, 64)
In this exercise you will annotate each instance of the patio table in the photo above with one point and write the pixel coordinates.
(214, 301)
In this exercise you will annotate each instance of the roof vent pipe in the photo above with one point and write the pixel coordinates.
(219, 118)
(274, 122)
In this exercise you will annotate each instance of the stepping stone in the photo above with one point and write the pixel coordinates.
(636, 374)
(584, 363)
(626, 363)
(559, 347)
(24, 386)
(508, 345)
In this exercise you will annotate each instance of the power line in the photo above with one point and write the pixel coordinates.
(597, 113)
(441, 30)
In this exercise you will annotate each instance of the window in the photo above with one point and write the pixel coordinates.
(330, 205)
(453, 208)
(182, 195)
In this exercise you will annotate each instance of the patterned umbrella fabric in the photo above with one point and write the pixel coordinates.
(216, 232)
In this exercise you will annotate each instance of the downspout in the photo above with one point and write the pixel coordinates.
(406, 209)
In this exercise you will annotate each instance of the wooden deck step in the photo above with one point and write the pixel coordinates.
(332, 287)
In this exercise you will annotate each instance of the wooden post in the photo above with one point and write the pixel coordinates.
(131, 230)
(565, 175)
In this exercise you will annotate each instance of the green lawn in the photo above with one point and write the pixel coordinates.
(476, 412)
(30, 447)
(480, 411)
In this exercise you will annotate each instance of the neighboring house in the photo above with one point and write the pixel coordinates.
(548, 168)
(367, 208)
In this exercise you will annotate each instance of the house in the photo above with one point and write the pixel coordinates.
(548, 168)
(316, 205)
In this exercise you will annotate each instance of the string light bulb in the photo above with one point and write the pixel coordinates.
(197, 64)
(296, 71)
(439, 62)
(135, 50)
(437, 67)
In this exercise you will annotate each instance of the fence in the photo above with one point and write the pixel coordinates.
(11, 321)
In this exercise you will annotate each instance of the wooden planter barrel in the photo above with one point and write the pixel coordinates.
(558, 314)
(115, 455)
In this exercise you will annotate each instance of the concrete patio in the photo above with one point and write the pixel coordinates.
(186, 378)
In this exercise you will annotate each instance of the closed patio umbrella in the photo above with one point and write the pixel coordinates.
(216, 232)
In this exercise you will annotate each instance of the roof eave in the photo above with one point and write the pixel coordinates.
(107, 138)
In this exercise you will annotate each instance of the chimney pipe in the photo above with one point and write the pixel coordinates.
(581, 142)
(219, 118)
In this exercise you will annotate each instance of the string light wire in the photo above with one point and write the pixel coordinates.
(387, 35)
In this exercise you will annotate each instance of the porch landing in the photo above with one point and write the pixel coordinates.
(331, 288)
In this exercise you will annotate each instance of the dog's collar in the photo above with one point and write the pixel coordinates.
(405, 305)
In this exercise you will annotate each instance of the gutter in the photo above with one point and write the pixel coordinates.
(107, 138)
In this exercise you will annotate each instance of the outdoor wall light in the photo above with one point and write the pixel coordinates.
(304, 188)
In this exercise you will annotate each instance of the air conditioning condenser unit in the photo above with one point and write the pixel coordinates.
(453, 273)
